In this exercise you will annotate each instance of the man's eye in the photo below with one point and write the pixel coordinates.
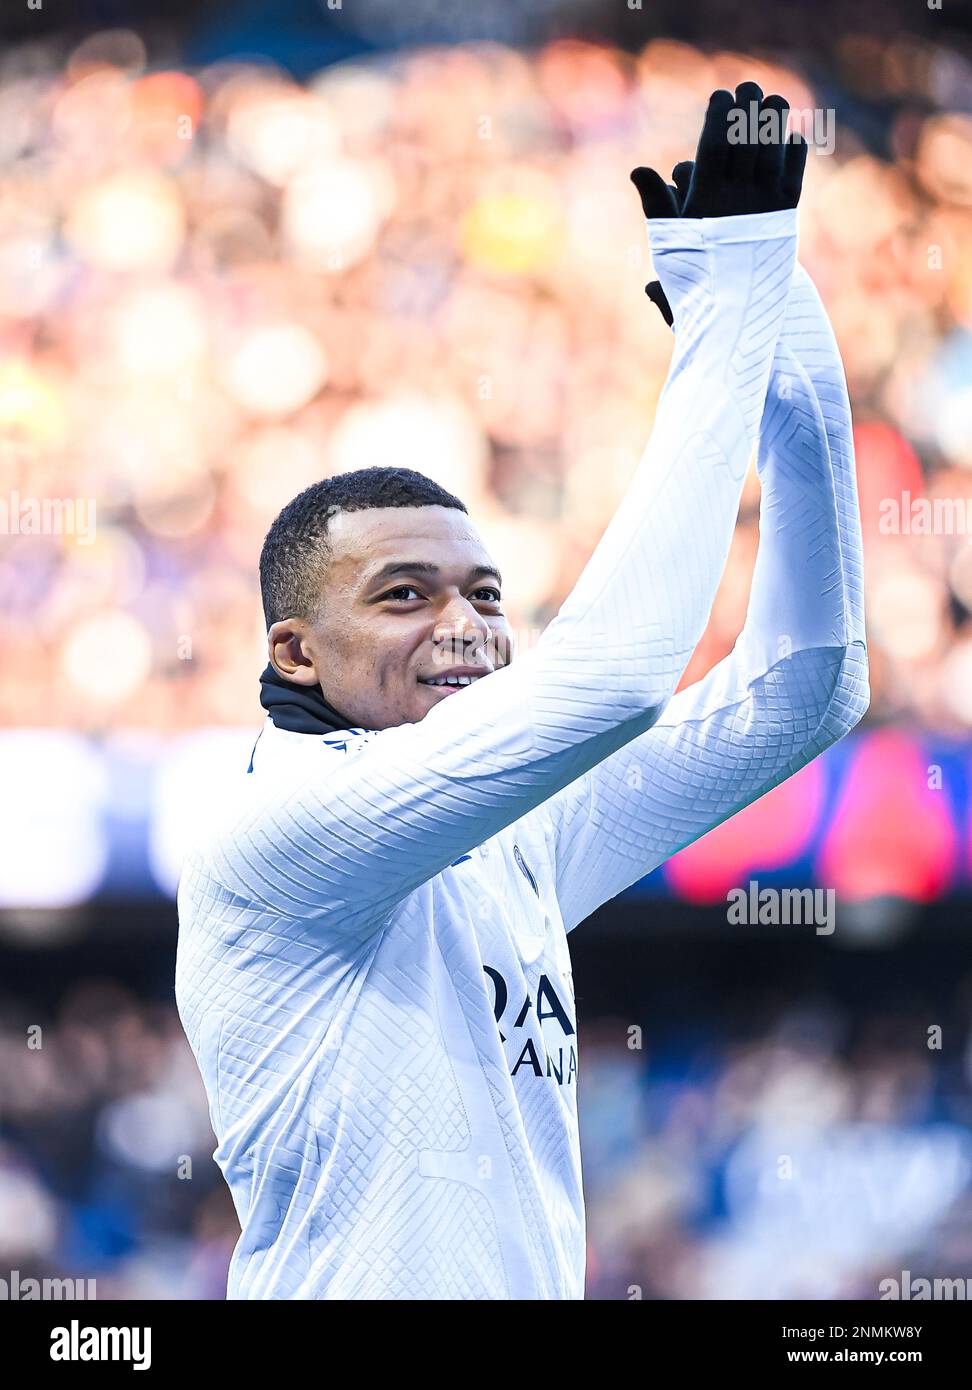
(492, 595)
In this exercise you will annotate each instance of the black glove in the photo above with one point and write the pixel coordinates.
(726, 178)
(682, 175)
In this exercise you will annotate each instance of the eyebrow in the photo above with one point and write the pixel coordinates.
(430, 571)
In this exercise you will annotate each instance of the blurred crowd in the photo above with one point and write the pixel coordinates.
(106, 1168)
(219, 285)
(811, 1158)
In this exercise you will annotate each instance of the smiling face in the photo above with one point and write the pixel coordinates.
(409, 594)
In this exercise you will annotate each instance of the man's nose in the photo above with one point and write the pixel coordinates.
(460, 624)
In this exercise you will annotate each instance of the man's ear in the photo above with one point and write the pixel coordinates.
(289, 655)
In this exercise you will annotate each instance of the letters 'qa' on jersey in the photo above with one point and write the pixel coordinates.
(373, 968)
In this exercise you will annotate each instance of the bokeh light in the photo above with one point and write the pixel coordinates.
(219, 284)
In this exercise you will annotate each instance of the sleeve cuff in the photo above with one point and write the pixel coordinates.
(695, 233)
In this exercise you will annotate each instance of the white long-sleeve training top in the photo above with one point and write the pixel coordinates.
(373, 969)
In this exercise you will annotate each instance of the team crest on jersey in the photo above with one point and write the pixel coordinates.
(525, 869)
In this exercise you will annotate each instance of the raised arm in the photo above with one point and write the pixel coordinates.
(796, 680)
(358, 836)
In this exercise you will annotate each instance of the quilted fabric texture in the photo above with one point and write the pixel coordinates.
(797, 678)
(373, 968)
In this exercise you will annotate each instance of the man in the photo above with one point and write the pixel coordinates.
(373, 967)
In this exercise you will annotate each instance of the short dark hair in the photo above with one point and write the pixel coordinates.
(296, 549)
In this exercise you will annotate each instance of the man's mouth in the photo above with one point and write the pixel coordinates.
(452, 681)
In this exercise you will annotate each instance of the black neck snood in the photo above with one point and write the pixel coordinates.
(300, 709)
